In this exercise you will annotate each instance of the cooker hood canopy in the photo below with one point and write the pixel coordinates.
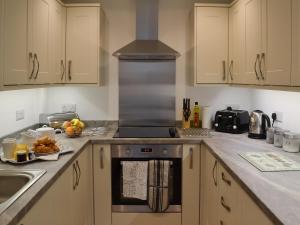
(147, 46)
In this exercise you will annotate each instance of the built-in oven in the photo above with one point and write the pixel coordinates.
(146, 178)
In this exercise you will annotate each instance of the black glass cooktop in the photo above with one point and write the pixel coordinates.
(146, 132)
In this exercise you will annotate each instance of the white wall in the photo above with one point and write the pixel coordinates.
(286, 102)
(27, 100)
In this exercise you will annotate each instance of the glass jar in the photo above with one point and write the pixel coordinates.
(270, 135)
(291, 142)
(278, 137)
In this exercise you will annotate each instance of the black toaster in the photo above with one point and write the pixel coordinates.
(232, 121)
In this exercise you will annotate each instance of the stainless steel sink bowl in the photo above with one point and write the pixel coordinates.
(13, 183)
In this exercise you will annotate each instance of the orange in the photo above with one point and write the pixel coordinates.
(69, 131)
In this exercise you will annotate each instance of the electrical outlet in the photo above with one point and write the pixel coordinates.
(69, 108)
(279, 116)
(20, 115)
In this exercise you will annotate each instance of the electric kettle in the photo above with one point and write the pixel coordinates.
(259, 122)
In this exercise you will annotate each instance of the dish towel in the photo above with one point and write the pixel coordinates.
(135, 176)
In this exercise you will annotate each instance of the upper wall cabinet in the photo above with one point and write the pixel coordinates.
(260, 42)
(210, 44)
(83, 45)
(296, 43)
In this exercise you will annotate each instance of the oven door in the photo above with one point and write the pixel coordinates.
(172, 193)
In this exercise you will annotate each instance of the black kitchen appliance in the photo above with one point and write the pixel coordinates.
(232, 121)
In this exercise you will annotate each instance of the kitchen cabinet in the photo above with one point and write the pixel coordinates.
(1, 43)
(83, 45)
(296, 43)
(236, 43)
(210, 44)
(69, 201)
(58, 42)
(191, 185)
(267, 53)
(223, 201)
(39, 15)
(102, 184)
(17, 62)
(209, 188)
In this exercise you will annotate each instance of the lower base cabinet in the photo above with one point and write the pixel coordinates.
(69, 200)
(223, 201)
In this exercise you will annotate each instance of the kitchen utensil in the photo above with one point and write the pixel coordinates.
(270, 135)
(291, 142)
(259, 122)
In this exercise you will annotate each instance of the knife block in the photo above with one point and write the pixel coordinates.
(186, 124)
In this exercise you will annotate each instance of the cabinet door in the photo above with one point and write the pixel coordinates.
(39, 34)
(83, 45)
(236, 43)
(211, 44)
(296, 43)
(209, 188)
(16, 56)
(277, 47)
(102, 184)
(191, 185)
(250, 213)
(82, 199)
(253, 41)
(58, 40)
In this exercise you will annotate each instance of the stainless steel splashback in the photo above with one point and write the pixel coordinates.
(147, 93)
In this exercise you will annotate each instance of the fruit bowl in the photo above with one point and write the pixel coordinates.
(73, 128)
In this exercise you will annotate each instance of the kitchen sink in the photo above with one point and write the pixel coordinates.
(13, 183)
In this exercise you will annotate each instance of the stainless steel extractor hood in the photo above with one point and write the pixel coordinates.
(147, 46)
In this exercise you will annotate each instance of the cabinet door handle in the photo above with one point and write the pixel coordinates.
(191, 158)
(230, 70)
(79, 171)
(263, 56)
(38, 66)
(224, 204)
(225, 179)
(101, 158)
(69, 70)
(221, 222)
(224, 70)
(255, 66)
(75, 176)
(213, 173)
(33, 64)
(63, 69)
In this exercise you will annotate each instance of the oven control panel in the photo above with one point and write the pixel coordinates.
(146, 151)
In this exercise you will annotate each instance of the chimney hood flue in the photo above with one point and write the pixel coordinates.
(146, 46)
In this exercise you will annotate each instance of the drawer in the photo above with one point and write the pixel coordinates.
(229, 204)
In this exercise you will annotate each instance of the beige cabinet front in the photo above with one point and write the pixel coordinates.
(211, 45)
(296, 43)
(83, 46)
(223, 201)
(102, 184)
(17, 61)
(69, 201)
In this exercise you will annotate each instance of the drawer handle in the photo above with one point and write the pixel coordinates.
(213, 173)
(101, 158)
(224, 204)
(225, 179)
(191, 158)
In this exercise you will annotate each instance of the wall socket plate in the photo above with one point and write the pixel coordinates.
(20, 115)
(68, 108)
(279, 116)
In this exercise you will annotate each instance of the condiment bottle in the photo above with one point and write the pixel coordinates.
(196, 113)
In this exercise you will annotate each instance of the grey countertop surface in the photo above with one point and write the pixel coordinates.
(277, 193)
